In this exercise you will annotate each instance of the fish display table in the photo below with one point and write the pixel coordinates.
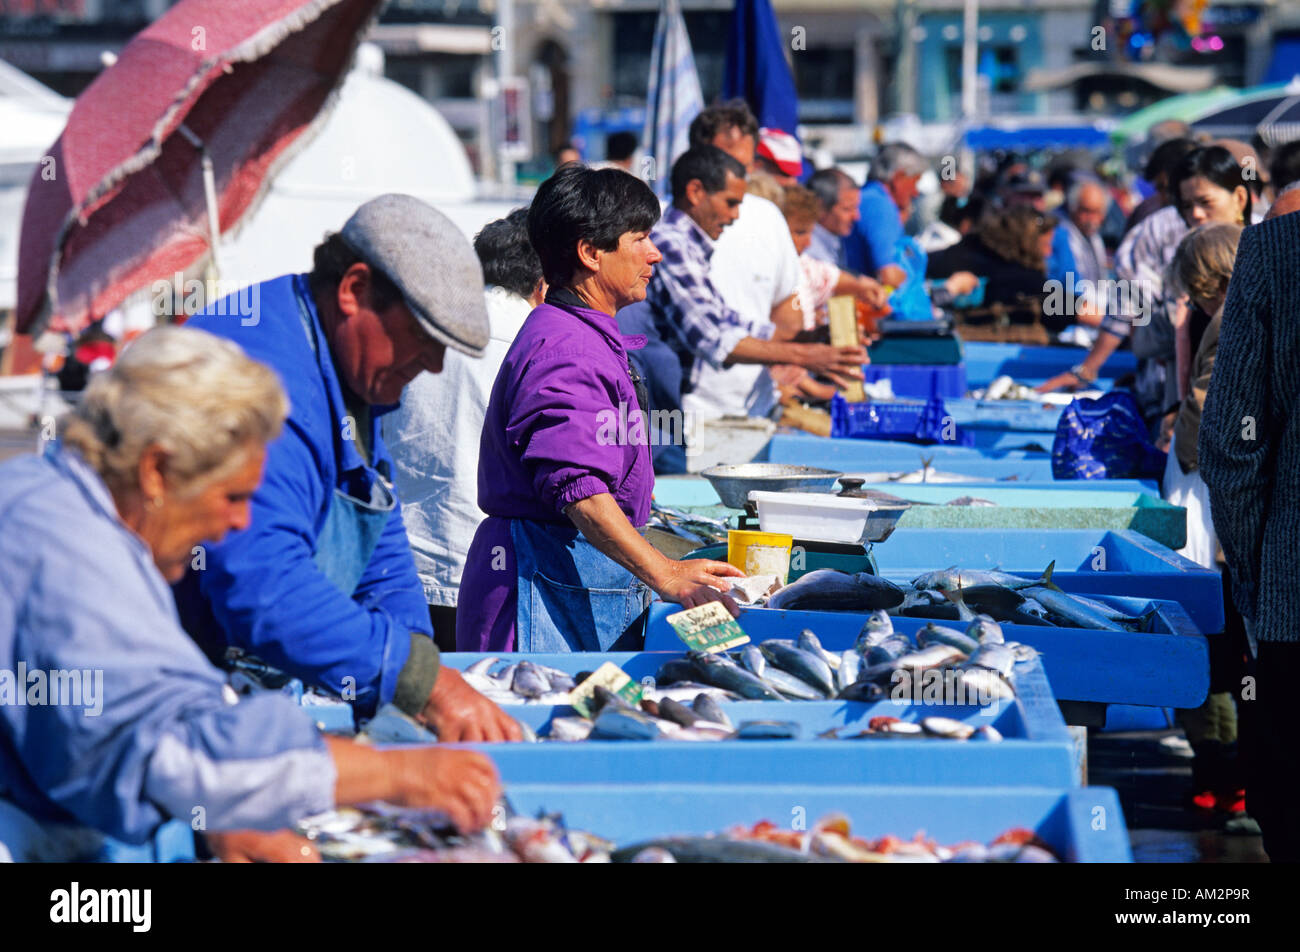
(887, 456)
(1081, 825)
(986, 361)
(1036, 749)
(1166, 667)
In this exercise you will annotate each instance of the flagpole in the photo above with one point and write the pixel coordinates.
(969, 57)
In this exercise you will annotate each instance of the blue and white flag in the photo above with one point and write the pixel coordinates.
(757, 70)
(673, 99)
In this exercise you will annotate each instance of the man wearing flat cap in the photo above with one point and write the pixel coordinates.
(322, 586)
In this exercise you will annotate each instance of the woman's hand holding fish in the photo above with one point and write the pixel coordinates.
(458, 713)
(692, 582)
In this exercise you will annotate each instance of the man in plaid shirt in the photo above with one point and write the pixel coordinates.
(689, 313)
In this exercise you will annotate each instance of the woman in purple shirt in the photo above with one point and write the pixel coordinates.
(564, 466)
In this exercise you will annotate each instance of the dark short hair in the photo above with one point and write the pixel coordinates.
(331, 260)
(1164, 160)
(1215, 164)
(720, 117)
(827, 185)
(620, 146)
(1285, 167)
(507, 255)
(707, 163)
(578, 203)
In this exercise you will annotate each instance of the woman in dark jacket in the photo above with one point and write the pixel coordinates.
(1009, 247)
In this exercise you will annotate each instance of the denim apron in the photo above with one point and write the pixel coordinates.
(571, 596)
(352, 526)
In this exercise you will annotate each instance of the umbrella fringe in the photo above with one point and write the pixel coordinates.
(250, 50)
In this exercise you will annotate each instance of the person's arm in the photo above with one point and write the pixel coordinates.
(1107, 343)
(1236, 451)
(689, 582)
(1182, 346)
(787, 318)
(840, 364)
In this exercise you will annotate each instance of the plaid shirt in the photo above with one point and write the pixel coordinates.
(1141, 260)
(690, 315)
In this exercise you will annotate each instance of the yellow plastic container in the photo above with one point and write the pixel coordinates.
(760, 553)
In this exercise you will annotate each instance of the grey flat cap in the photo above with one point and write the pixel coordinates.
(430, 261)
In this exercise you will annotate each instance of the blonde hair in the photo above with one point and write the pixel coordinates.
(195, 395)
(765, 186)
(1203, 262)
(802, 206)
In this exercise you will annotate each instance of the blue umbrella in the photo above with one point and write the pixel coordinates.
(674, 96)
(756, 67)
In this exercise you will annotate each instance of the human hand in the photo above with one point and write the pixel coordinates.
(841, 364)
(1066, 381)
(692, 582)
(873, 293)
(892, 275)
(961, 282)
(456, 712)
(461, 783)
(254, 846)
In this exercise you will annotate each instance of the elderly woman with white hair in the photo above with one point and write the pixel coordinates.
(110, 717)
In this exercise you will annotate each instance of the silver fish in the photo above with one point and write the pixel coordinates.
(791, 686)
(985, 630)
(677, 712)
(891, 649)
(753, 661)
(807, 641)
(933, 634)
(530, 681)
(708, 708)
(877, 628)
(1071, 610)
(725, 673)
(999, 658)
(847, 672)
(804, 665)
(615, 723)
(931, 657)
(979, 686)
(481, 668)
(987, 733)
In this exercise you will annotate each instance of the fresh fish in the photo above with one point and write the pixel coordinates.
(724, 673)
(793, 687)
(1032, 606)
(561, 681)
(1077, 614)
(752, 660)
(952, 577)
(481, 668)
(529, 681)
(878, 674)
(831, 590)
(1019, 582)
(768, 730)
(933, 634)
(709, 709)
(993, 600)
(616, 723)
(931, 657)
(804, 665)
(678, 713)
(526, 733)
(570, 728)
(602, 697)
(699, 731)
(807, 641)
(650, 706)
(947, 727)
(891, 649)
(847, 672)
(980, 686)
(1023, 652)
(676, 670)
(1114, 614)
(893, 725)
(877, 628)
(999, 658)
(985, 630)
(957, 597)
(687, 691)
(987, 733)
(969, 501)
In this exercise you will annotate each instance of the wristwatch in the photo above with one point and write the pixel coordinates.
(1082, 374)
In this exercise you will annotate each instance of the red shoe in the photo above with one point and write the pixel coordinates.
(1205, 800)
(1234, 802)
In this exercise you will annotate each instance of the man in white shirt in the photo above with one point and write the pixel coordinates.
(434, 436)
(754, 267)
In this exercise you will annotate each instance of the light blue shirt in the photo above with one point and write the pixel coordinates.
(826, 246)
(134, 726)
(874, 241)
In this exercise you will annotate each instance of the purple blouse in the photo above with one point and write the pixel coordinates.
(561, 426)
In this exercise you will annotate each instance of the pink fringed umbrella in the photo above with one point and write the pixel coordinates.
(172, 146)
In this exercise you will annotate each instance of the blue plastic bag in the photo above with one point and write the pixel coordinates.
(1105, 438)
(927, 422)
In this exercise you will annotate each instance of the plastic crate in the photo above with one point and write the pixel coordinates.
(919, 380)
(986, 361)
(1167, 667)
(1036, 749)
(927, 422)
(1083, 826)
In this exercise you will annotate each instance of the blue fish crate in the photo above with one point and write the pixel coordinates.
(919, 380)
(986, 361)
(886, 456)
(1036, 748)
(1088, 562)
(1015, 415)
(1168, 666)
(915, 421)
(1081, 825)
